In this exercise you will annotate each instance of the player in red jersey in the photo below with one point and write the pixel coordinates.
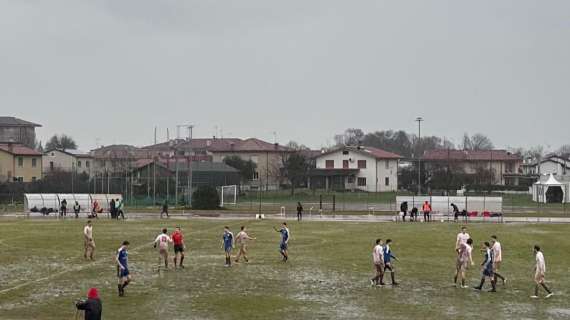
(179, 246)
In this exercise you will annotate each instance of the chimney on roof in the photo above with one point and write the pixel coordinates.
(232, 146)
(276, 145)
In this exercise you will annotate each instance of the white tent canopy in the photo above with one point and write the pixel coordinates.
(550, 189)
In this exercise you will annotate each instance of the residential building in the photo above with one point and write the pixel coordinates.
(268, 158)
(117, 158)
(495, 167)
(14, 130)
(356, 168)
(19, 163)
(147, 172)
(552, 164)
(67, 160)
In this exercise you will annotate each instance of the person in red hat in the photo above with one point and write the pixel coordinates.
(92, 306)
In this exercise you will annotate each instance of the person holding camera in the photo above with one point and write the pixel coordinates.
(92, 306)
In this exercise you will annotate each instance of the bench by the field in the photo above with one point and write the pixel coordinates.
(475, 208)
(51, 202)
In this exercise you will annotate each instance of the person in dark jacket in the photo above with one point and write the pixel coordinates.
(455, 212)
(299, 211)
(112, 209)
(92, 306)
(404, 210)
(63, 211)
(414, 214)
(164, 209)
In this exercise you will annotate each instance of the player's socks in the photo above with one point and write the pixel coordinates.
(493, 286)
(175, 262)
(546, 288)
(394, 283)
(455, 279)
(480, 285)
(181, 261)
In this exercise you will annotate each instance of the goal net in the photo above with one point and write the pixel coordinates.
(228, 195)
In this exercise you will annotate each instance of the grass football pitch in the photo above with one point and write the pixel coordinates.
(42, 272)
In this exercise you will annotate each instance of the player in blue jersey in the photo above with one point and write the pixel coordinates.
(123, 267)
(487, 268)
(227, 245)
(388, 256)
(284, 245)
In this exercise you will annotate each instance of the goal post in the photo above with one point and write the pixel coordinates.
(228, 195)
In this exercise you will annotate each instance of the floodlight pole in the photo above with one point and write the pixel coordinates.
(419, 120)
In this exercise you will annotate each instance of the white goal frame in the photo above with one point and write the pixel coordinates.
(223, 198)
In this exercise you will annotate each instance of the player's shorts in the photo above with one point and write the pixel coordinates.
(243, 247)
(388, 266)
(89, 244)
(462, 265)
(178, 248)
(163, 251)
(488, 271)
(228, 248)
(539, 277)
(122, 273)
(283, 246)
(379, 267)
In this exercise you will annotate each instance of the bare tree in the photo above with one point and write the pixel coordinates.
(351, 136)
(477, 141)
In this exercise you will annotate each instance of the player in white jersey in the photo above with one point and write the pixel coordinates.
(498, 258)
(241, 241)
(539, 272)
(89, 243)
(461, 238)
(162, 241)
(464, 260)
(378, 261)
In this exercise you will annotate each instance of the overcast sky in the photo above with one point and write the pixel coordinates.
(108, 71)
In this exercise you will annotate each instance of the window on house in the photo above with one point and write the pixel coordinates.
(51, 165)
(361, 164)
(254, 159)
(387, 164)
(345, 164)
(87, 164)
(79, 164)
(350, 179)
(387, 181)
(34, 179)
(20, 162)
(34, 162)
(19, 179)
(345, 152)
(255, 176)
(329, 164)
(361, 182)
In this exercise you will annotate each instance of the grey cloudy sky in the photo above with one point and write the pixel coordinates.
(307, 69)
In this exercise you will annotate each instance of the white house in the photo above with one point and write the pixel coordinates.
(67, 160)
(356, 168)
(554, 165)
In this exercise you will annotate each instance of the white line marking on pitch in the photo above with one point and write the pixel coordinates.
(80, 268)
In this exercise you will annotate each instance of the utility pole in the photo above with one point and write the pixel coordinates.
(419, 120)
(189, 127)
